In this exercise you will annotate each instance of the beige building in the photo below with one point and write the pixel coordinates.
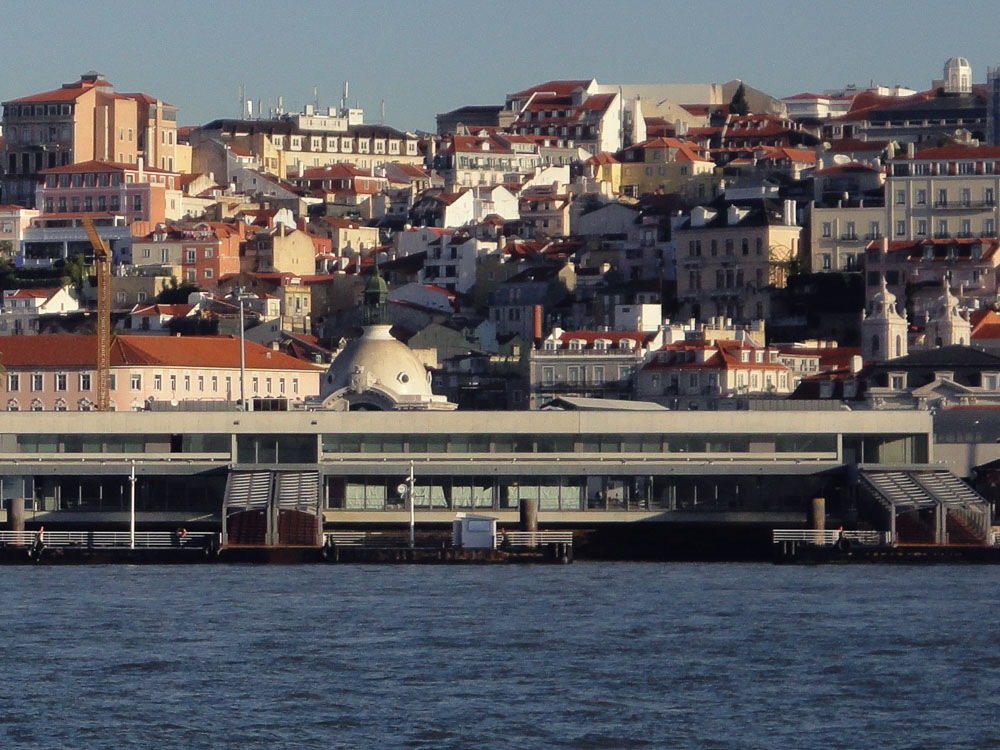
(348, 238)
(280, 250)
(291, 143)
(729, 254)
(943, 192)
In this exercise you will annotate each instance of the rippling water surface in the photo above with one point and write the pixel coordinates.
(592, 655)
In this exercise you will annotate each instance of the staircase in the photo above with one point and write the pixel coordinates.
(905, 493)
(910, 530)
(959, 532)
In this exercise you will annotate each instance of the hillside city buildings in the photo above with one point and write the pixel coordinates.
(693, 246)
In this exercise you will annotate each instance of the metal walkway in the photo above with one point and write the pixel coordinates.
(928, 506)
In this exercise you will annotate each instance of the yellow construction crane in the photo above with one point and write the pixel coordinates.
(102, 266)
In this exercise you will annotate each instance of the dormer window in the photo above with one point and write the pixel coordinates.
(601, 344)
(745, 356)
(576, 344)
(625, 344)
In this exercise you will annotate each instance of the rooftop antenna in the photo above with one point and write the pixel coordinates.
(242, 95)
(343, 99)
(316, 98)
(381, 110)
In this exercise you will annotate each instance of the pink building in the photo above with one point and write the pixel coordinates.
(59, 373)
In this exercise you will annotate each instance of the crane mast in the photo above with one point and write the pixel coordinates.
(102, 266)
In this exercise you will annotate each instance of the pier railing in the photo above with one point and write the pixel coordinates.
(830, 537)
(368, 538)
(108, 539)
(534, 538)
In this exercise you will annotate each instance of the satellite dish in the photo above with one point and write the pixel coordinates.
(402, 489)
(173, 402)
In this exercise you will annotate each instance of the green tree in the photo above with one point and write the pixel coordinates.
(739, 105)
(74, 271)
(176, 294)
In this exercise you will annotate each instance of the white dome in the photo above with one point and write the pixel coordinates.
(376, 358)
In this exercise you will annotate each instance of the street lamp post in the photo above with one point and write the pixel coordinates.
(131, 506)
(243, 356)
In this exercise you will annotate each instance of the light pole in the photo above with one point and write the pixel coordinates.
(243, 355)
(413, 519)
(131, 506)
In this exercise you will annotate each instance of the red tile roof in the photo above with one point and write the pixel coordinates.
(165, 351)
(849, 168)
(956, 152)
(559, 88)
(32, 293)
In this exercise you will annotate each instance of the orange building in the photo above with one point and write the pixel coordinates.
(82, 121)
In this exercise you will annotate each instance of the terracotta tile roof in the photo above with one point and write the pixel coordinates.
(67, 93)
(559, 88)
(853, 167)
(955, 152)
(156, 310)
(32, 293)
(95, 165)
(166, 351)
(848, 145)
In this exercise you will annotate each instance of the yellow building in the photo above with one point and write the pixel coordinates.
(606, 168)
(664, 165)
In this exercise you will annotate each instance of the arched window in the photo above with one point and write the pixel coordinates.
(13, 405)
(36, 405)
(60, 404)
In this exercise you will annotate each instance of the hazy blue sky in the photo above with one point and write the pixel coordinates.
(431, 56)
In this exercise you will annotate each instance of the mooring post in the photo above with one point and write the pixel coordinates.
(15, 514)
(817, 518)
(529, 514)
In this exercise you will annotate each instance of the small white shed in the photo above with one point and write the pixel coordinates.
(472, 531)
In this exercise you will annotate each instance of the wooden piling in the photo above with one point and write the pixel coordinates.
(15, 514)
(529, 514)
(817, 518)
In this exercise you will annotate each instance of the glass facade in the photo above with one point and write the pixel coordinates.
(611, 443)
(576, 493)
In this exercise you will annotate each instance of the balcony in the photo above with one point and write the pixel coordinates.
(963, 205)
(942, 235)
(850, 237)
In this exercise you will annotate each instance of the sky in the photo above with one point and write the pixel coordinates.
(432, 56)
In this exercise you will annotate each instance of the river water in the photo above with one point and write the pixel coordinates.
(591, 655)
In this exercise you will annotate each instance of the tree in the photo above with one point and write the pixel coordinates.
(176, 294)
(74, 272)
(739, 105)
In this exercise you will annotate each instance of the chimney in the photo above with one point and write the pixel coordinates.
(910, 149)
(139, 165)
(536, 326)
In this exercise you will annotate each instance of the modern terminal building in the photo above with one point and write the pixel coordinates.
(586, 468)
